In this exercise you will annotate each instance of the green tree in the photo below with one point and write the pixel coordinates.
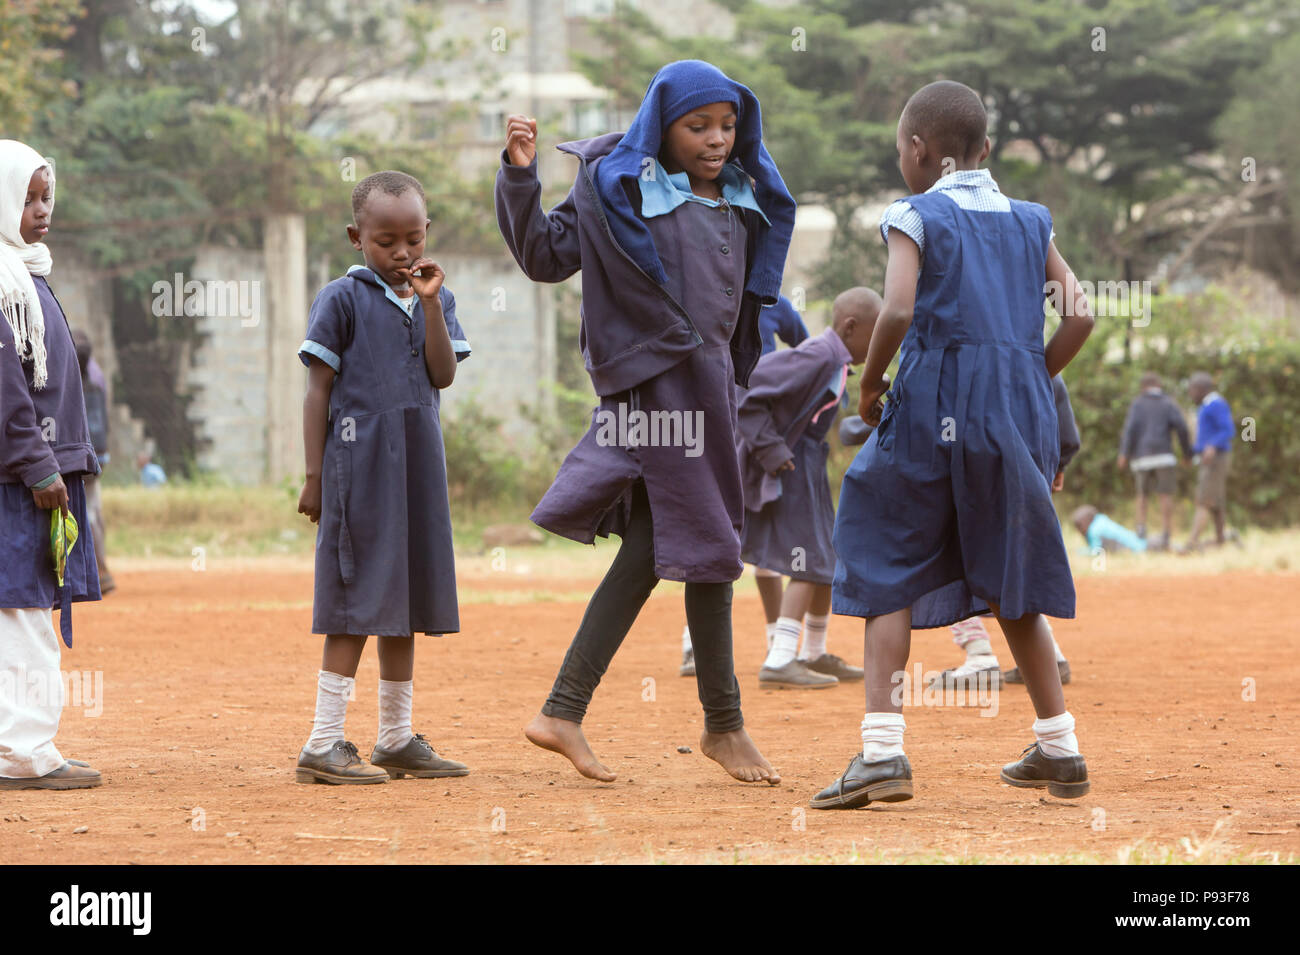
(29, 34)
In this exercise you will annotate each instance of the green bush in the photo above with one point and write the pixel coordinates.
(1254, 362)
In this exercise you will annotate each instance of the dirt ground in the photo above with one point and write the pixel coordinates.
(1184, 690)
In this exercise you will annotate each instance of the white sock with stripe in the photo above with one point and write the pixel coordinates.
(814, 635)
(785, 642)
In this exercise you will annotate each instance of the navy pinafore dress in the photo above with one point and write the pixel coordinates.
(948, 505)
(384, 558)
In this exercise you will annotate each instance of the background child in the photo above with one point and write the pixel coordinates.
(1215, 433)
(947, 510)
(791, 404)
(381, 343)
(981, 667)
(1146, 446)
(95, 389)
(44, 454)
(1102, 533)
(677, 250)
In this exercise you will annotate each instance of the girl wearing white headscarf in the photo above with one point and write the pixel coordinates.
(44, 452)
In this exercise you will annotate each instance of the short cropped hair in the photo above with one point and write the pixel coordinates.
(390, 181)
(1150, 380)
(949, 116)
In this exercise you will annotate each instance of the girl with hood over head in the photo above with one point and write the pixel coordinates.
(45, 451)
(680, 227)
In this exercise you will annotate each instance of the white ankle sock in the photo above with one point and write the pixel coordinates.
(814, 635)
(332, 692)
(395, 714)
(1056, 735)
(686, 640)
(1060, 657)
(882, 736)
(785, 641)
(771, 634)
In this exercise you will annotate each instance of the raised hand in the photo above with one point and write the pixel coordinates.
(426, 277)
(521, 139)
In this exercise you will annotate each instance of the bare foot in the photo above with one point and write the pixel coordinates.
(565, 737)
(736, 753)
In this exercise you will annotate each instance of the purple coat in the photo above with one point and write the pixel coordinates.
(57, 412)
(786, 390)
(633, 328)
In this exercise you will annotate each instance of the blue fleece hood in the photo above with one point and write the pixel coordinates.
(674, 91)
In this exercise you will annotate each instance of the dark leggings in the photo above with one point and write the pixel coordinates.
(614, 608)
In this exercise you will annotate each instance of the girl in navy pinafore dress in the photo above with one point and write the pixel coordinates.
(678, 247)
(947, 510)
(381, 343)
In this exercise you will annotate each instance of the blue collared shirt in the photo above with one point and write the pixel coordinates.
(663, 192)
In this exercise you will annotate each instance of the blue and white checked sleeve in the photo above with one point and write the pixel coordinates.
(900, 215)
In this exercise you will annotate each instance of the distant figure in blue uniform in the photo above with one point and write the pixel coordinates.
(781, 321)
(946, 512)
(382, 342)
(1215, 434)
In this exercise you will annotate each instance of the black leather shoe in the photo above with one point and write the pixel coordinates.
(339, 765)
(418, 759)
(888, 780)
(1064, 776)
(1062, 667)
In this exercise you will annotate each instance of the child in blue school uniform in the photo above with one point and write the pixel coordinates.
(947, 510)
(791, 404)
(382, 342)
(45, 454)
(680, 227)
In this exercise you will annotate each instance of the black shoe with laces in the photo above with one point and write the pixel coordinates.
(1064, 776)
(416, 758)
(339, 765)
(886, 780)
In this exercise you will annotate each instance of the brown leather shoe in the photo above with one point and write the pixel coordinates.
(794, 676)
(67, 776)
(339, 765)
(418, 759)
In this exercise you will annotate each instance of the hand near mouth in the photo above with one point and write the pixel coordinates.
(426, 277)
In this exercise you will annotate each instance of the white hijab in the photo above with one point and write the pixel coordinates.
(19, 261)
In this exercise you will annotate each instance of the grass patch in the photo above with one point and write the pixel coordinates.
(227, 521)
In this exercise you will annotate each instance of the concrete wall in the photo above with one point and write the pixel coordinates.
(229, 375)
